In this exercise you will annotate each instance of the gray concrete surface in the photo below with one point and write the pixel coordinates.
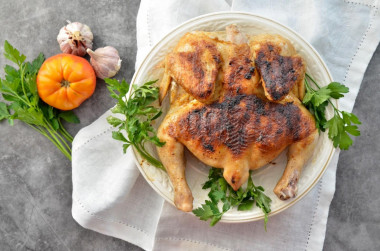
(35, 179)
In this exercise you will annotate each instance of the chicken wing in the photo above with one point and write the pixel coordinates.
(281, 68)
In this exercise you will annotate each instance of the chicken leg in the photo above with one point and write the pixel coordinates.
(298, 154)
(172, 157)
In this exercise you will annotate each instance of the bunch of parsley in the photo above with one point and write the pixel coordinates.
(19, 88)
(341, 123)
(139, 113)
(221, 191)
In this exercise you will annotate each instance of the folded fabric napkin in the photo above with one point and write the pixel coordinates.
(109, 195)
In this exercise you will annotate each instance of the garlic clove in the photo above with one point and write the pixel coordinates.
(75, 38)
(105, 61)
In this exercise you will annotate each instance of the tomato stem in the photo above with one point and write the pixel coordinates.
(65, 83)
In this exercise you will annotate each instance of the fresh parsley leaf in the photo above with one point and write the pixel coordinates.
(11, 73)
(114, 121)
(246, 205)
(350, 118)
(4, 113)
(31, 85)
(337, 89)
(216, 195)
(223, 184)
(207, 184)
(54, 123)
(353, 130)
(69, 116)
(10, 87)
(214, 207)
(344, 141)
(215, 219)
(36, 64)
(205, 212)
(13, 54)
(307, 98)
(30, 116)
(117, 90)
(342, 123)
(335, 126)
(263, 201)
(321, 96)
(50, 112)
(9, 97)
(119, 136)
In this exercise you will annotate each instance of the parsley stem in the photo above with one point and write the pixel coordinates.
(23, 86)
(58, 138)
(64, 141)
(309, 88)
(17, 96)
(66, 135)
(64, 132)
(54, 136)
(307, 75)
(143, 148)
(151, 160)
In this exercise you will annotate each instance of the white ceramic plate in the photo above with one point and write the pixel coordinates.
(267, 176)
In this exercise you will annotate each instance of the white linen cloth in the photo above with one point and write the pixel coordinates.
(109, 195)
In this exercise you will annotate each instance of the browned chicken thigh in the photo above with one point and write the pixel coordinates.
(235, 103)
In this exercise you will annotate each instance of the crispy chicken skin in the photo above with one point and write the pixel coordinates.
(282, 70)
(195, 65)
(235, 105)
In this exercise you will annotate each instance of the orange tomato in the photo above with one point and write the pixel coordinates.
(64, 81)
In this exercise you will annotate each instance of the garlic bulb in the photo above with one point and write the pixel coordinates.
(75, 38)
(105, 61)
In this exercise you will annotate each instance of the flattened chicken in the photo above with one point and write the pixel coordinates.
(235, 104)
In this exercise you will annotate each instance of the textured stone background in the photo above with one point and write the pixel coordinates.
(35, 178)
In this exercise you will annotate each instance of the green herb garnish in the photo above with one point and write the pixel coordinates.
(19, 87)
(341, 123)
(139, 114)
(221, 191)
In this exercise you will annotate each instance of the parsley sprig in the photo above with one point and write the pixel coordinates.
(221, 191)
(19, 88)
(342, 123)
(139, 114)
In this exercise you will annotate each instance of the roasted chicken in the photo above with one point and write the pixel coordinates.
(235, 103)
